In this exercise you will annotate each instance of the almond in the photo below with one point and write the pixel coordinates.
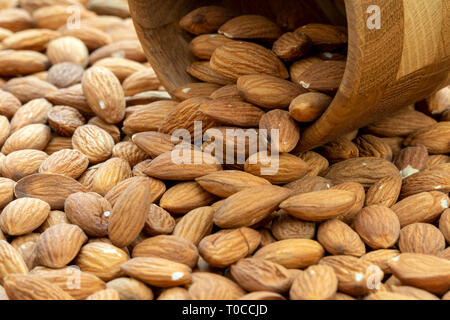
(338, 238)
(6, 191)
(184, 197)
(94, 142)
(33, 136)
(308, 107)
(23, 215)
(122, 68)
(28, 287)
(249, 206)
(363, 170)
(203, 46)
(421, 238)
(355, 276)
(54, 217)
(89, 211)
(64, 120)
(21, 163)
(317, 282)
(109, 174)
(317, 164)
(9, 104)
(176, 293)
(371, 146)
(195, 90)
(444, 224)
(401, 123)
(22, 62)
(292, 253)
(250, 27)
(107, 294)
(358, 191)
(73, 281)
(104, 94)
(211, 286)
(68, 49)
(300, 66)
(284, 226)
(280, 123)
(92, 37)
(147, 117)
(51, 188)
(384, 192)
(11, 262)
(256, 88)
(323, 76)
(205, 19)
(130, 289)
(225, 247)
(233, 113)
(427, 180)
(422, 271)
(324, 36)
(278, 170)
(101, 259)
(381, 258)
(158, 272)
(378, 226)
(65, 74)
(227, 182)
(338, 150)
(35, 111)
(411, 160)
(292, 45)
(202, 71)
(239, 58)
(129, 213)
(58, 245)
(158, 221)
(58, 143)
(15, 19)
(128, 49)
(200, 164)
(319, 205)
(261, 275)
(168, 247)
(195, 225)
(72, 96)
(68, 162)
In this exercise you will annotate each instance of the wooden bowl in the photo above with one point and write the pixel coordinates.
(404, 61)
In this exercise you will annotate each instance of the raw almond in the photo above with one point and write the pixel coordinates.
(130, 289)
(11, 261)
(292, 253)
(203, 46)
(185, 196)
(378, 226)
(309, 106)
(317, 282)
(21, 163)
(215, 248)
(68, 162)
(33, 136)
(58, 245)
(233, 113)
(384, 192)
(338, 238)
(421, 238)
(68, 49)
(64, 120)
(279, 124)
(205, 19)
(109, 174)
(195, 225)
(292, 45)
(28, 287)
(94, 142)
(211, 286)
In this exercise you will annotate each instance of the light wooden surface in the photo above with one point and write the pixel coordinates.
(404, 61)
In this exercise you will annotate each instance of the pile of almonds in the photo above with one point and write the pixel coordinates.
(93, 207)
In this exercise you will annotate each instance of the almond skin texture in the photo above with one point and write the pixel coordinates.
(158, 272)
(130, 289)
(23, 215)
(421, 238)
(195, 225)
(444, 224)
(268, 91)
(94, 142)
(67, 49)
(109, 174)
(205, 19)
(378, 226)
(64, 120)
(227, 182)
(307, 107)
(158, 221)
(414, 208)
(236, 59)
(184, 197)
(203, 46)
(58, 245)
(215, 248)
(163, 166)
(317, 282)
(366, 171)
(261, 275)
(422, 271)
(21, 163)
(319, 205)
(323, 76)
(355, 276)
(338, 238)
(33, 136)
(68, 162)
(435, 138)
(101, 259)
(129, 213)
(211, 286)
(169, 247)
(89, 211)
(292, 253)
(233, 113)
(104, 94)
(249, 206)
(28, 287)
(6, 191)
(51, 188)
(285, 226)
(288, 130)
(384, 192)
(11, 261)
(292, 45)
(250, 27)
(73, 281)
